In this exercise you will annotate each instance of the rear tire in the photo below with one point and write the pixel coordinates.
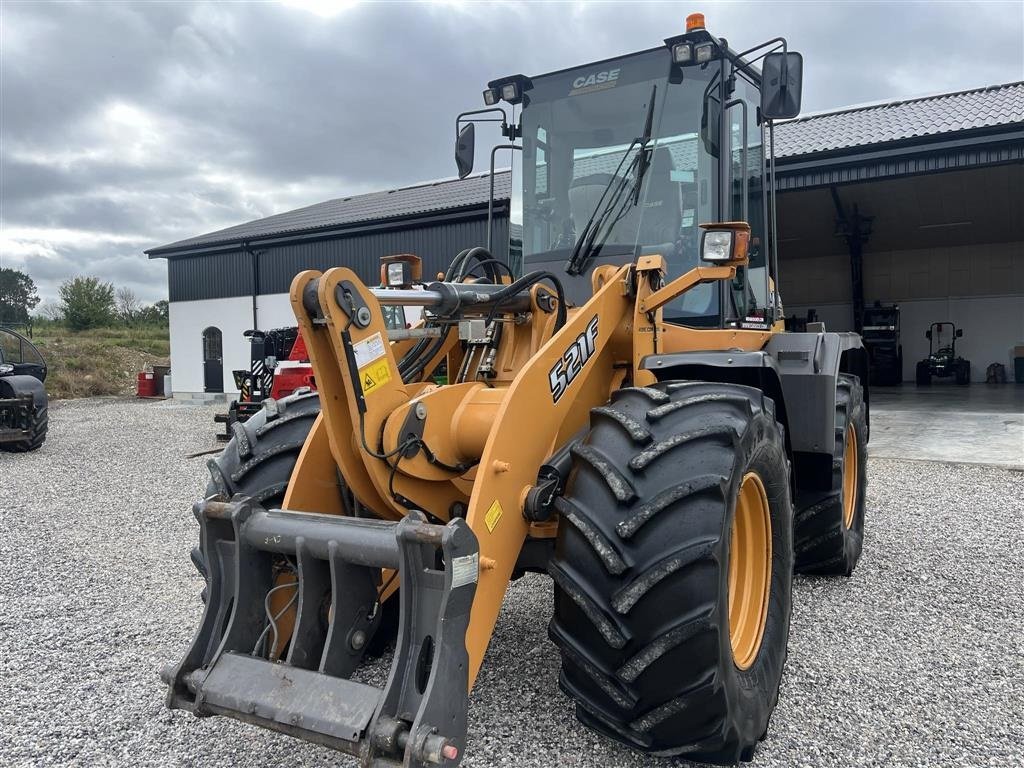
(923, 375)
(36, 436)
(642, 571)
(963, 373)
(829, 528)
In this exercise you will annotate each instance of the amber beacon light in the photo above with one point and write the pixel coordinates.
(694, 21)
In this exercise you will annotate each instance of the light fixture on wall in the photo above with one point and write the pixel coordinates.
(946, 225)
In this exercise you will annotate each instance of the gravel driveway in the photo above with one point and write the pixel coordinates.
(918, 660)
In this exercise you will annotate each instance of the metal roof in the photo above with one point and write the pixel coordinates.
(379, 207)
(919, 118)
(803, 146)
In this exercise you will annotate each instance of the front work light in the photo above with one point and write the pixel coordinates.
(491, 97)
(510, 92)
(682, 53)
(725, 242)
(396, 274)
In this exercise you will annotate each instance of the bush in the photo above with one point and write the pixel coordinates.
(87, 303)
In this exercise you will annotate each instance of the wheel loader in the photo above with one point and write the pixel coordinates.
(622, 411)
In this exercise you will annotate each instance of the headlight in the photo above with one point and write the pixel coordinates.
(717, 246)
(725, 242)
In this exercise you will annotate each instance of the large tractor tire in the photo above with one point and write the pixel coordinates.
(39, 422)
(259, 459)
(258, 462)
(36, 437)
(673, 570)
(923, 374)
(963, 373)
(829, 528)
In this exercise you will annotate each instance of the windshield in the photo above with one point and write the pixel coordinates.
(578, 132)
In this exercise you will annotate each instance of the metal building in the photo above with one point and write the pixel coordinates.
(918, 202)
(226, 282)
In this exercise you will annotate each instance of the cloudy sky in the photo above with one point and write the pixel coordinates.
(128, 125)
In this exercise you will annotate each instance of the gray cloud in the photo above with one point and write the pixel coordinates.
(125, 126)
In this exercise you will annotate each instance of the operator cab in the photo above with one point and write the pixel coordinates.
(628, 156)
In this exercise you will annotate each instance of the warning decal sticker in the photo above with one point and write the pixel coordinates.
(493, 516)
(368, 350)
(373, 376)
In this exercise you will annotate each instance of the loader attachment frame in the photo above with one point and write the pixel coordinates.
(419, 718)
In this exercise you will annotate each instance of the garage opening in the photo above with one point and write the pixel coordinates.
(213, 360)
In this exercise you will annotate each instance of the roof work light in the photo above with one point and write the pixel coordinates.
(682, 53)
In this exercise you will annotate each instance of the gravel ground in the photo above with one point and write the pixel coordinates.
(918, 660)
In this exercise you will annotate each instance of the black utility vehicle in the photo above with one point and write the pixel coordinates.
(942, 361)
(23, 401)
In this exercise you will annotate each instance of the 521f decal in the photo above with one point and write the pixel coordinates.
(573, 359)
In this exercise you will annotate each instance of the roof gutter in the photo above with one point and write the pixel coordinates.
(894, 149)
(900, 160)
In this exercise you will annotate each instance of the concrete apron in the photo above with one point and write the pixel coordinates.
(975, 424)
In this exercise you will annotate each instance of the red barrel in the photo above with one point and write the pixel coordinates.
(146, 386)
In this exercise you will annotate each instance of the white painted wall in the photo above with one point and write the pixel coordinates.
(188, 319)
(992, 326)
(233, 316)
(978, 287)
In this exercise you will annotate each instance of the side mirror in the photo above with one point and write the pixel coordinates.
(709, 125)
(782, 77)
(959, 332)
(465, 149)
(928, 335)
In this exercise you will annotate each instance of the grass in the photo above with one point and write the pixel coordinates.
(100, 361)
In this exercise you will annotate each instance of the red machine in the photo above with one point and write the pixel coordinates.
(279, 366)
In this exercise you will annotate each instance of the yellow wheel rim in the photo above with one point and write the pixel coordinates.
(850, 472)
(750, 571)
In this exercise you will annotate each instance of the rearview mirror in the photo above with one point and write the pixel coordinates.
(465, 149)
(959, 332)
(928, 335)
(781, 85)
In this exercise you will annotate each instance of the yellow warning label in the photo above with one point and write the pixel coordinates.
(374, 375)
(493, 516)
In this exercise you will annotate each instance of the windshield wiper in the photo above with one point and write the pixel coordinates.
(588, 239)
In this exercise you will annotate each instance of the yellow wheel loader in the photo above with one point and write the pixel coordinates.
(621, 409)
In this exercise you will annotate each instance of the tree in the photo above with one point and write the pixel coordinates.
(154, 314)
(17, 295)
(128, 306)
(51, 311)
(87, 302)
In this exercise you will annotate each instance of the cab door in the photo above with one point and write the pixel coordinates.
(21, 354)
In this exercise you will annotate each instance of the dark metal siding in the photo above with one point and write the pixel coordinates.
(230, 274)
(213, 276)
(805, 174)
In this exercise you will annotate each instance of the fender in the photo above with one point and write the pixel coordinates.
(797, 370)
(18, 386)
